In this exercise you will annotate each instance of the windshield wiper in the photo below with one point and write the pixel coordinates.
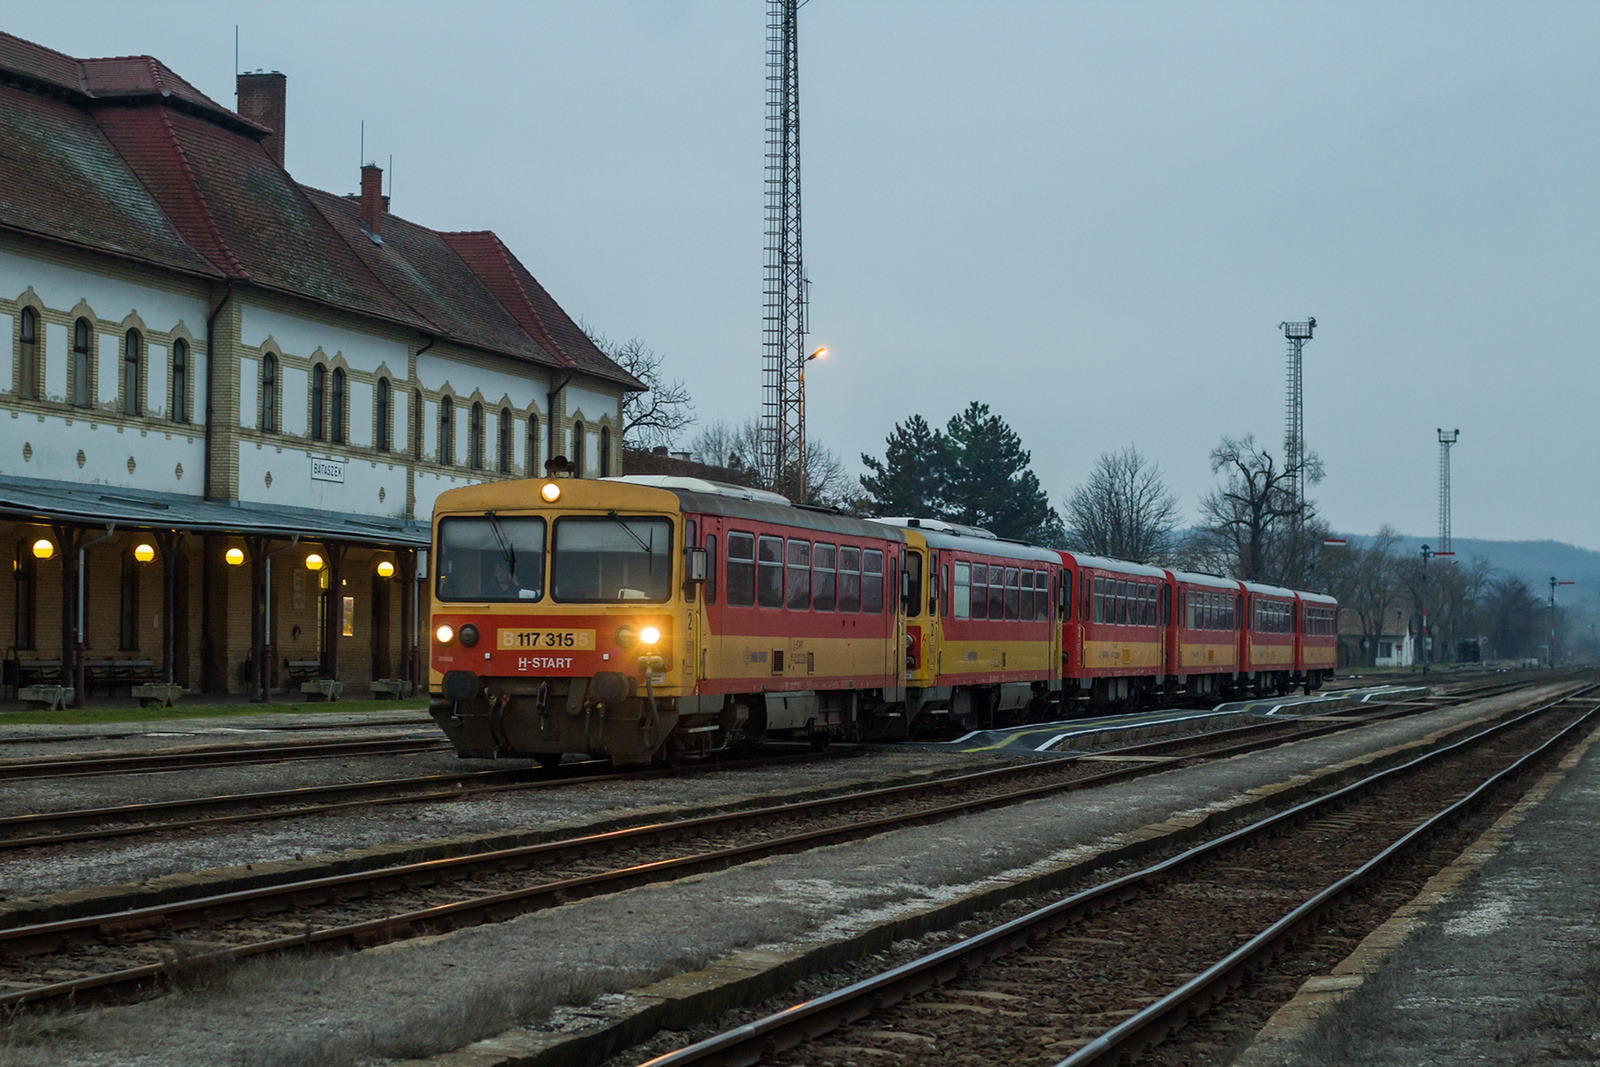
(506, 551)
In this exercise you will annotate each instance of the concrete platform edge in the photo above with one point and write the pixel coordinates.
(751, 976)
(1320, 993)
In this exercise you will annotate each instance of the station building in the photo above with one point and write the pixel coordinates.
(234, 398)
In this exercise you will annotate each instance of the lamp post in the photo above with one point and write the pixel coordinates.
(800, 451)
(1553, 583)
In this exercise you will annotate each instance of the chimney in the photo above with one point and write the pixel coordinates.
(372, 208)
(261, 100)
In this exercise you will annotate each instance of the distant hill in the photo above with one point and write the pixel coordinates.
(1532, 561)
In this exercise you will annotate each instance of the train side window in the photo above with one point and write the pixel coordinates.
(769, 575)
(711, 568)
(1066, 597)
(1151, 613)
(1166, 605)
(997, 592)
(1013, 591)
(980, 590)
(741, 570)
(1026, 610)
(963, 591)
(1236, 615)
(944, 590)
(823, 580)
(1098, 599)
(1118, 591)
(872, 582)
(689, 526)
(799, 583)
(914, 580)
(849, 579)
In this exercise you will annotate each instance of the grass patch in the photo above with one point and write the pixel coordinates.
(97, 716)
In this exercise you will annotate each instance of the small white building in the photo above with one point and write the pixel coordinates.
(203, 361)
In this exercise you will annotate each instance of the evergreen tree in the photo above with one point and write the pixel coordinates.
(988, 482)
(910, 477)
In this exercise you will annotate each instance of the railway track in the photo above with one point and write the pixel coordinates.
(121, 954)
(98, 763)
(1110, 972)
(44, 829)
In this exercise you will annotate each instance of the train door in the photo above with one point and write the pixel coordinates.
(1169, 642)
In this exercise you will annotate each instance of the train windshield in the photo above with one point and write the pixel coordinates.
(491, 557)
(612, 558)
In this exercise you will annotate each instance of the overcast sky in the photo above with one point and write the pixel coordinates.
(1092, 217)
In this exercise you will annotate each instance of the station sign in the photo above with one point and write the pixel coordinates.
(327, 470)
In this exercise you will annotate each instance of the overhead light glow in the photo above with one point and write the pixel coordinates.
(313, 562)
(144, 553)
(43, 548)
(385, 569)
(234, 556)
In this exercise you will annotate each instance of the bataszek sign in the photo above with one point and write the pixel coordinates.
(327, 470)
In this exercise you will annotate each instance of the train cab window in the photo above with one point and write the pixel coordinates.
(490, 558)
(1012, 591)
(741, 570)
(823, 579)
(1066, 598)
(872, 582)
(849, 579)
(602, 560)
(962, 592)
(1026, 611)
(799, 581)
(769, 572)
(914, 582)
(711, 568)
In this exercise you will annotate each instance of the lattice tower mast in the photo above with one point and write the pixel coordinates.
(1447, 438)
(1294, 434)
(783, 427)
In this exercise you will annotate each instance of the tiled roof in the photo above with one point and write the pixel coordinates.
(123, 156)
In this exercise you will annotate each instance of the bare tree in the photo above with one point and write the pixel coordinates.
(1366, 581)
(663, 411)
(828, 482)
(1124, 510)
(1255, 511)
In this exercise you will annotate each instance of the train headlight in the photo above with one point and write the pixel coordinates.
(626, 636)
(445, 633)
(649, 635)
(550, 491)
(469, 635)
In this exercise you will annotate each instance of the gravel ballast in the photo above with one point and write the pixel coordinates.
(433, 994)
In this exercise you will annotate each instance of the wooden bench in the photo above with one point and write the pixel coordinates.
(308, 673)
(112, 673)
(22, 673)
(302, 670)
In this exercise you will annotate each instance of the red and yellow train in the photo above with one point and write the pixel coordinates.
(647, 616)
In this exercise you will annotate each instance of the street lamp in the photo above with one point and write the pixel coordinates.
(144, 553)
(800, 453)
(43, 548)
(234, 557)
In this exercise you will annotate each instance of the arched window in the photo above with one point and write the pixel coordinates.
(340, 423)
(447, 431)
(28, 356)
(531, 465)
(505, 441)
(319, 390)
(577, 449)
(475, 437)
(385, 434)
(416, 423)
(80, 363)
(132, 385)
(605, 451)
(269, 393)
(180, 381)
